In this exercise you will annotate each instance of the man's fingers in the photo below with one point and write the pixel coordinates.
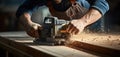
(68, 28)
(33, 33)
(72, 29)
(36, 30)
(30, 33)
(76, 31)
(36, 34)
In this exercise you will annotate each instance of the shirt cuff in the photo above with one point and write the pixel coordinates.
(101, 5)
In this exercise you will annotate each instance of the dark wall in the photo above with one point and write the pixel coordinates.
(113, 14)
(7, 14)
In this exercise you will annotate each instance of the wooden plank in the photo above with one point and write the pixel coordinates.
(100, 43)
(103, 50)
(25, 46)
(12, 50)
(111, 40)
(20, 48)
(81, 42)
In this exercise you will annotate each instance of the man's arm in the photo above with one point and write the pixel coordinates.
(30, 27)
(78, 25)
(97, 10)
(24, 13)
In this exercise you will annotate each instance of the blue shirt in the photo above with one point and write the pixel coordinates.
(31, 5)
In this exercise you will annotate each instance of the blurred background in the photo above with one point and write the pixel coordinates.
(9, 22)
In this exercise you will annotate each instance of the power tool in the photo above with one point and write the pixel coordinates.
(53, 32)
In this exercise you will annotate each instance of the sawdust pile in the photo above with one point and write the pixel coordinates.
(110, 40)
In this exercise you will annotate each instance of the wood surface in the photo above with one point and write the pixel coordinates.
(85, 45)
(105, 43)
(21, 44)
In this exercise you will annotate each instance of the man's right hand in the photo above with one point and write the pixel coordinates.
(32, 29)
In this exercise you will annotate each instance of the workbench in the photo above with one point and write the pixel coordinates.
(21, 45)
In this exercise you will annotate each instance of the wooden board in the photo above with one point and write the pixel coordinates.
(102, 39)
(102, 43)
(21, 44)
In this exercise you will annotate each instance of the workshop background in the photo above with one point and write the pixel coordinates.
(110, 22)
(9, 22)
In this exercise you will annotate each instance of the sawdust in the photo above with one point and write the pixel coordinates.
(110, 40)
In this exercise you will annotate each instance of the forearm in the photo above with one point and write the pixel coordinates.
(25, 19)
(90, 17)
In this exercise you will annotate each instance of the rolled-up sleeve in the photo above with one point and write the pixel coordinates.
(28, 6)
(101, 5)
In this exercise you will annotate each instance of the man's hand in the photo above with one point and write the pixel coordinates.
(76, 26)
(32, 29)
